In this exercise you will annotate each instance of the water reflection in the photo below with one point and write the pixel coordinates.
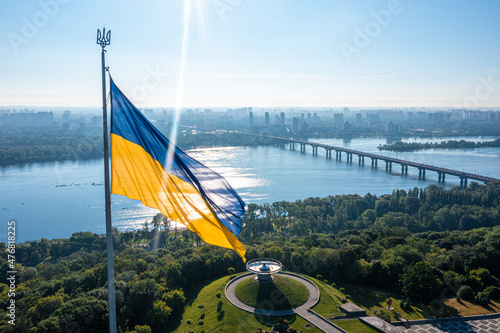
(56, 199)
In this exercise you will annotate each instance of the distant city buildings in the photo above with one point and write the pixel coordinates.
(338, 119)
(28, 119)
(271, 121)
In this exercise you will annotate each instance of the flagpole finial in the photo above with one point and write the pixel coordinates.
(103, 38)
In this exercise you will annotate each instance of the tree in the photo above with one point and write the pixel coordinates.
(35, 258)
(157, 220)
(175, 299)
(145, 229)
(44, 308)
(141, 329)
(166, 222)
(159, 315)
(485, 277)
(419, 283)
(466, 293)
(142, 293)
(482, 298)
(85, 314)
(49, 325)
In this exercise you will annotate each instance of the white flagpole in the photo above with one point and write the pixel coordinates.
(104, 39)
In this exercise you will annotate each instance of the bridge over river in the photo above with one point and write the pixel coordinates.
(374, 158)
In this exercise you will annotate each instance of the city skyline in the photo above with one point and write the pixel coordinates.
(279, 53)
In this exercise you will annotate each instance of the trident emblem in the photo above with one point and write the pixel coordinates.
(104, 38)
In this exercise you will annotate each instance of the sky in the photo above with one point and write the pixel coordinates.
(270, 53)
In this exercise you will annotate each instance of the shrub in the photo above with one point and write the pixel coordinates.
(220, 315)
(466, 293)
(231, 270)
(474, 282)
(325, 281)
(188, 322)
(348, 296)
(482, 298)
(201, 306)
(343, 300)
(341, 289)
(320, 277)
(485, 277)
(493, 291)
(141, 329)
(218, 295)
(219, 305)
(382, 315)
(333, 284)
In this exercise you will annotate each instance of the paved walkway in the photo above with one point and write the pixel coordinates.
(303, 310)
(458, 325)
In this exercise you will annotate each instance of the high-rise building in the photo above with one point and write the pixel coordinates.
(66, 116)
(338, 119)
(347, 126)
(295, 124)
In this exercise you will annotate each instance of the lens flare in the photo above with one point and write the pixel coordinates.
(180, 84)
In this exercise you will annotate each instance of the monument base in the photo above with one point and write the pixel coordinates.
(264, 278)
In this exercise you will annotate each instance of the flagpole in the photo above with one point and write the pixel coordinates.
(104, 39)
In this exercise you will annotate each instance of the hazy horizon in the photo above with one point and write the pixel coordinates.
(227, 53)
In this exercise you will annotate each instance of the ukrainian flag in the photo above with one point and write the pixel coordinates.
(146, 166)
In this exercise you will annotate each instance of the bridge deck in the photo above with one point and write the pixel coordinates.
(421, 166)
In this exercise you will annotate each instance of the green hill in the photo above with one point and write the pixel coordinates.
(284, 293)
(229, 318)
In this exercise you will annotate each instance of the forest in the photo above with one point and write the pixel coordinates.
(43, 146)
(416, 242)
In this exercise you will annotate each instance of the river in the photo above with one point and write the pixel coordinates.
(56, 199)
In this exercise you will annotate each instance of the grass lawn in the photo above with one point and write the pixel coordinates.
(229, 319)
(354, 326)
(283, 293)
(373, 299)
(330, 300)
(450, 307)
